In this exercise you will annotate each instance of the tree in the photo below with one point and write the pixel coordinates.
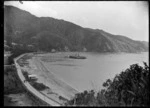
(129, 88)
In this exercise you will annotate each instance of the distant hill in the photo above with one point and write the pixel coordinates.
(46, 33)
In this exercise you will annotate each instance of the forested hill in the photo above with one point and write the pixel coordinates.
(46, 33)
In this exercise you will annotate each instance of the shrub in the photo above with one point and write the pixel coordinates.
(62, 98)
(39, 86)
(87, 98)
(129, 88)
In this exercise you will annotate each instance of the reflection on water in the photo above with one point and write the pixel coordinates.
(90, 73)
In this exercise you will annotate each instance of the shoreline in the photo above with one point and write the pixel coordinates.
(110, 57)
(46, 76)
(42, 100)
(54, 78)
(58, 86)
(59, 78)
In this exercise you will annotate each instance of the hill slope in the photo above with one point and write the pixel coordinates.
(46, 33)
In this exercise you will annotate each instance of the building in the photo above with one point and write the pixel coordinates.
(6, 47)
(32, 77)
(6, 56)
(84, 49)
(66, 48)
(53, 50)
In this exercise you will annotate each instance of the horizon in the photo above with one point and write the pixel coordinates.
(140, 28)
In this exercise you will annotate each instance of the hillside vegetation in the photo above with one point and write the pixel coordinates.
(46, 33)
(129, 88)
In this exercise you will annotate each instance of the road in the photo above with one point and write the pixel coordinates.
(49, 101)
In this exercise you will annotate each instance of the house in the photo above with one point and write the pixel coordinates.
(6, 56)
(6, 47)
(84, 49)
(53, 50)
(66, 48)
(30, 46)
(14, 44)
(5, 42)
(32, 77)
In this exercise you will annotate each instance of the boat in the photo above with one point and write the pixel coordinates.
(77, 57)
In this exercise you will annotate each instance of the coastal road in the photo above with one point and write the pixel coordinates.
(36, 93)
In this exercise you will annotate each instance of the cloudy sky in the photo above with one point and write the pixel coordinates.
(121, 18)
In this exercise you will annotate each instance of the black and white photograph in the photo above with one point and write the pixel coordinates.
(76, 53)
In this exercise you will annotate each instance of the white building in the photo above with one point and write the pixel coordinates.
(84, 49)
(32, 77)
(53, 50)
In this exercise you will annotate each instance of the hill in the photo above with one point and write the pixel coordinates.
(46, 33)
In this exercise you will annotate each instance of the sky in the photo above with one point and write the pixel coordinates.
(127, 18)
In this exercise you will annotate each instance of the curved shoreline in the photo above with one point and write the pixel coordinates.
(59, 78)
(53, 79)
(32, 90)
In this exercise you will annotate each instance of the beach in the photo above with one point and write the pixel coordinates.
(58, 87)
(65, 77)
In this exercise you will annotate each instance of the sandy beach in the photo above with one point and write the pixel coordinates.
(57, 86)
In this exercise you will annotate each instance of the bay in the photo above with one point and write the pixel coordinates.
(91, 73)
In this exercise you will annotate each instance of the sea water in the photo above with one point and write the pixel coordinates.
(91, 73)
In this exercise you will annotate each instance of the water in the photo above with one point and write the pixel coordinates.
(90, 73)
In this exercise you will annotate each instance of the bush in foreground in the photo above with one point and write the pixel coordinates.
(129, 88)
